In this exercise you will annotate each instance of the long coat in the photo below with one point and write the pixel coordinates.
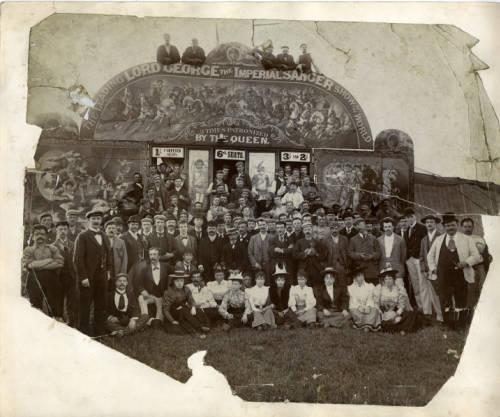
(120, 257)
(285, 258)
(413, 242)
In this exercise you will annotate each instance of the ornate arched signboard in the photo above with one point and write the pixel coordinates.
(234, 104)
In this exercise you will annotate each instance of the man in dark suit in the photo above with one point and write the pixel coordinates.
(92, 260)
(194, 54)
(413, 236)
(240, 174)
(284, 60)
(122, 310)
(392, 250)
(234, 254)
(337, 247)
(167, 54)
(162, 240)
(133, 244)
(349, 230)
(210, 251)
(332, 300)
(184, 242)
(184, 201)
(151, 283)
(364, 250)
(281, 251)
(311, 255)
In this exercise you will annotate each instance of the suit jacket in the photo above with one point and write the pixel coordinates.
(67, 250)
(144, 279)
(193, 56)
(413, 241)
(162, 195)
(193, 233)
(340, 300)
(466, 250)
(89, 256)
(353, 232)
(180, 248)
(286, 258)
(120, 258)
(135, 249)
(337, 253)
(425, 245)
(132, 307)
(280, 301)
(183, 196)
(165, 58)
(369, 246)
(166, 244)
(235, 257)
(258, 249)
(397, 258)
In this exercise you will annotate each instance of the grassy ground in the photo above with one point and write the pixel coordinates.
(310, 365)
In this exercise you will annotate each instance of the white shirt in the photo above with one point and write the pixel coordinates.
(388, 244)
(202, 297)
(329, 290)
(117, 299)
(156, 273)
(301, 298)
(361, 295)
(257, 296)
(218, 289)
(448, 237)
(431, 235)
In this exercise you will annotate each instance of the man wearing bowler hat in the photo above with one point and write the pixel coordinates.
(451, 259)
(92, 260)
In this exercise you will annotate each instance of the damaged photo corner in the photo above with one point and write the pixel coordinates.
(186, 173)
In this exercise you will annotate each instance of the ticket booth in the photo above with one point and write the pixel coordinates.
(295, 160)
(172, 156)
(227, 159)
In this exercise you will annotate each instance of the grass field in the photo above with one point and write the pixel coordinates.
(310, 365)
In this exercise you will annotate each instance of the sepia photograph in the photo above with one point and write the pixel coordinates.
(303, 201)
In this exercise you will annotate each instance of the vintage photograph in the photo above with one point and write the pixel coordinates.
(262, 190)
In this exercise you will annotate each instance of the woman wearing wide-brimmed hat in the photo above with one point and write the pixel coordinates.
(332, 300)
(392, 300)
(180, 313)
(364, 312)
(235, 308)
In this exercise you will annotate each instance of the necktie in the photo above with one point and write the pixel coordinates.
(156, 268)
(451, 244)
(121, 302)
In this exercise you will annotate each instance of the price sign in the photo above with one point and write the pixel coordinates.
(160, 152)
(295, 156)
(230, 154)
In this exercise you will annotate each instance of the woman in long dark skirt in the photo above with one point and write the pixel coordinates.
(392, 300)
(178, 310)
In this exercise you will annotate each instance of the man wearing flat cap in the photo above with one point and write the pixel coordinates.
(413, 236)
(451, 259)
(74, 228)
(135, 246)
(92, 260)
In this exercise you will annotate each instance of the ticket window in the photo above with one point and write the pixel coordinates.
(172, 158)
(296, 161)
(226, 160)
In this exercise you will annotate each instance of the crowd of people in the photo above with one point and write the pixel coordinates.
(288, 262)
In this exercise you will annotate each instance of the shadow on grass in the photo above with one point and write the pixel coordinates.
(310, 365)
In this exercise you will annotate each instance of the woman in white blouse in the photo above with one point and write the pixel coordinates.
(260, 303)
(392, 300)
(364, 312)
(219, 286)
(302, 302)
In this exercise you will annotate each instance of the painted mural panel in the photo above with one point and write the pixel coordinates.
(82, 176)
